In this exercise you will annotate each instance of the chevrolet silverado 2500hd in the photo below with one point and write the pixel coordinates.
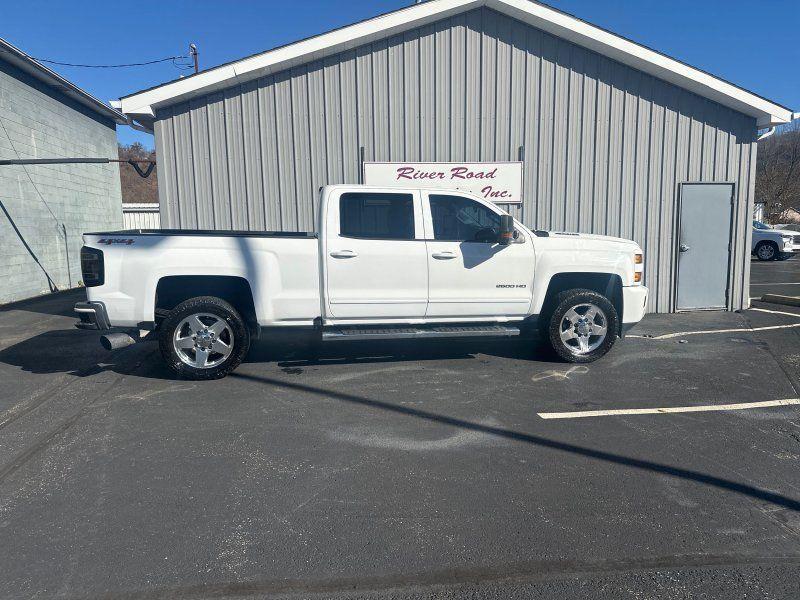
(384, 263)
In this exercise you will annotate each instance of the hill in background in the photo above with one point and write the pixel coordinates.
(134, 187)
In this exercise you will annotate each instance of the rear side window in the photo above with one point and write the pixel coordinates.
(377, 216)
(459, 219)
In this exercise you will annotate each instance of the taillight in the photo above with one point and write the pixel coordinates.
(92, 267)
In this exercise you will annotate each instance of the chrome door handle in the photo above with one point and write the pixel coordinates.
(684, 248)
(447, 255)
(344, 254)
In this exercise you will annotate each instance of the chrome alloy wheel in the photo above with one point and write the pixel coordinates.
(766, 252)
(203, 340)
(583, 328)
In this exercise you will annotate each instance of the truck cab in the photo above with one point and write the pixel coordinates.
(383, 263)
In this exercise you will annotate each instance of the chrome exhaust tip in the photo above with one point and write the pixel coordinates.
(115, 341)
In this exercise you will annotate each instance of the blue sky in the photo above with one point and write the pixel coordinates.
(753, 44)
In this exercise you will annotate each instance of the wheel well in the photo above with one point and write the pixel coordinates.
(771, 242)
(173, 290)
(607, 284)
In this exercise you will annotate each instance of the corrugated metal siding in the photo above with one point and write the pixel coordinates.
(605, 146)
(141, 215)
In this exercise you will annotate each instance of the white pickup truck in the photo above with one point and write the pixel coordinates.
(385, 263)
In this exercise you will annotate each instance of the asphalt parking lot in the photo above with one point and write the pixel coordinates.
(404, 469)
(775, 277)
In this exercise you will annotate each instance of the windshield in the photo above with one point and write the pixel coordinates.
(760, 225)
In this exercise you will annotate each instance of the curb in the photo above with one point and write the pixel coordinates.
(778, 299)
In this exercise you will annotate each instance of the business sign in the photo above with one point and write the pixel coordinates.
(499, 182)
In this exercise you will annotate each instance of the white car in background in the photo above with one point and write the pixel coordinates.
(774, 244)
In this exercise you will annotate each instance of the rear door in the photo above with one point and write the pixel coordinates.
(375, 256)
(471, 275)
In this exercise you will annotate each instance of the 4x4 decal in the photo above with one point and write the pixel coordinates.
(109, 241)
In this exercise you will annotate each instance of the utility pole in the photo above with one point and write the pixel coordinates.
(193, 54)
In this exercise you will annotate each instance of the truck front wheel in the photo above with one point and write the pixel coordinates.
(583, 326)
(204, 338)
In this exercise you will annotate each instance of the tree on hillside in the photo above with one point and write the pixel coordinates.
(778, 173)
(134, 187)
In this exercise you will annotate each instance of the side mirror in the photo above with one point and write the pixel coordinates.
(506, 235)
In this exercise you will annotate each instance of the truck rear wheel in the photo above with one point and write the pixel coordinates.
(583, 326)
(204, 338)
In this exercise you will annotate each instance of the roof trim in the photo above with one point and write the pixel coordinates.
(28, 64)
(553, 21)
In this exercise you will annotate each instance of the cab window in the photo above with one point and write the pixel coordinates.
(459, 219)
(376, 216)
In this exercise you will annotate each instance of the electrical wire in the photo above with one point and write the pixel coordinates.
(62, 230)
(140, 64)
(33, 183)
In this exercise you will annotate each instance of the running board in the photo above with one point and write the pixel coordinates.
(401, 332)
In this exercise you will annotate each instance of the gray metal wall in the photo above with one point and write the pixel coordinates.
(141, 215)
(605, 146)
(40, 204)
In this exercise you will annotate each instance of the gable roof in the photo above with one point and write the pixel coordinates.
(142, 104)
(13, 55)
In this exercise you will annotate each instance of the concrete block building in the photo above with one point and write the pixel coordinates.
(44, 209)
(614, 137)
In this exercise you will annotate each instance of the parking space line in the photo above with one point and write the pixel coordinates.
(777, 312)
(668, 336)
(667, 410)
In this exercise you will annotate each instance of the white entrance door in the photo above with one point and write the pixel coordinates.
(471, 275)
(376, 259)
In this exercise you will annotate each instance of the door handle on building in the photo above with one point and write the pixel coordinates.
(446, 255)
(344, 254)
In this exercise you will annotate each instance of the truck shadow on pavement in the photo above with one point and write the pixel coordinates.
(289, 353)
(79, 353)
(60, 351)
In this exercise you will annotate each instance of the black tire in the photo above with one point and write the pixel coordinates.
(568, 300)
(238, 333)
(766, 251)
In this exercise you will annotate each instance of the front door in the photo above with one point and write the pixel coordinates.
(704, 245)
(375, 256)
(471, 275)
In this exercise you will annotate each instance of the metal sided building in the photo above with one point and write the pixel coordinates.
(45, 209)
(613, 136)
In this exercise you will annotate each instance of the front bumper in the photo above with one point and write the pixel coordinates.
(634, 305)
(92, 316)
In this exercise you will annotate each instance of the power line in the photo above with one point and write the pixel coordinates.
(140, 64)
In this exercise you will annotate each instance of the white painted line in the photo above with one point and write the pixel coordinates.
(781, 283)
(668, 336)
(666, 410)
(777, 312)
